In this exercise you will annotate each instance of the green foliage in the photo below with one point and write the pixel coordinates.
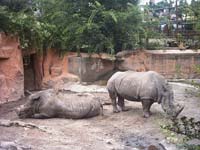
(179, 38)
(179, 131)
(25, 25)
(197, 68)
(4, 19)
(196, 84)
(89, 25)
(153, 46)
(193, 11)
(82, 25)
(16, 5)
(150, 26)
(189, 147)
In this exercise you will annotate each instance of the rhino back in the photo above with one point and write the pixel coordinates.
(82, 109)
(111, 84)
(52, 104)
(76, 107)
(138, 85)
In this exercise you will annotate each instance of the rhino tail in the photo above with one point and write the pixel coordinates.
(101, 110)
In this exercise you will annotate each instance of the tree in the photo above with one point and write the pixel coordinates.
(81, 25)
(151, 22)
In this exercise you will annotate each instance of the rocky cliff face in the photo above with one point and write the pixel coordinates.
(11, 69)
(55, 69)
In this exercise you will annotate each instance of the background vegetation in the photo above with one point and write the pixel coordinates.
(81, 25)
(87, 25)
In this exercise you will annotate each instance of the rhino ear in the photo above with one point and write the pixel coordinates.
(165, 93)
(28, 92)
(35, 97)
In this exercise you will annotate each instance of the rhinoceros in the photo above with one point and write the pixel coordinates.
(145, 87)
(49, 104)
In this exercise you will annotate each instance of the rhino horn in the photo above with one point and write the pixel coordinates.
(175, 111)
(179, 109)
(172, 110)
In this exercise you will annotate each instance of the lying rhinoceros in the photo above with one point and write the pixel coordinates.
(48, 104)
(147, 87)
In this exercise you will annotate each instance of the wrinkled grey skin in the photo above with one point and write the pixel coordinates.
(146, 87)
(48, 104)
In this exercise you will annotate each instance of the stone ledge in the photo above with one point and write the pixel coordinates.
(174, 52)
(5, 53)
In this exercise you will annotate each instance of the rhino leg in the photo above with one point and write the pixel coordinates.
(113, 98)
(146, 105)
(40, 116)
(121, 103)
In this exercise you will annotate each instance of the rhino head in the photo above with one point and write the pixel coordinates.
(168, 105)
(28, 109)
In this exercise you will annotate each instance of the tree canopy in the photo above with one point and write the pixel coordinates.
(90, 25)
(80, 25)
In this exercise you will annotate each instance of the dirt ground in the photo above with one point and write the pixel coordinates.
(119, 131)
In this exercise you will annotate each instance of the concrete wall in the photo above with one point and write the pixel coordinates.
(11, 69)
(90, 69)
(173, 64)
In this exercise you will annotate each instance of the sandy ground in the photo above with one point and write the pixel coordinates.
(121, 131)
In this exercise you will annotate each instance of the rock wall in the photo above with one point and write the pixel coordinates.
(53, 69)
(11, 69)
(173, 64)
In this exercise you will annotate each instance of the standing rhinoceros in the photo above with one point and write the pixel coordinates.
(49, 104)
(147, 87)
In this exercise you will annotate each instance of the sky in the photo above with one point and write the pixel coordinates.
(142, 2)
